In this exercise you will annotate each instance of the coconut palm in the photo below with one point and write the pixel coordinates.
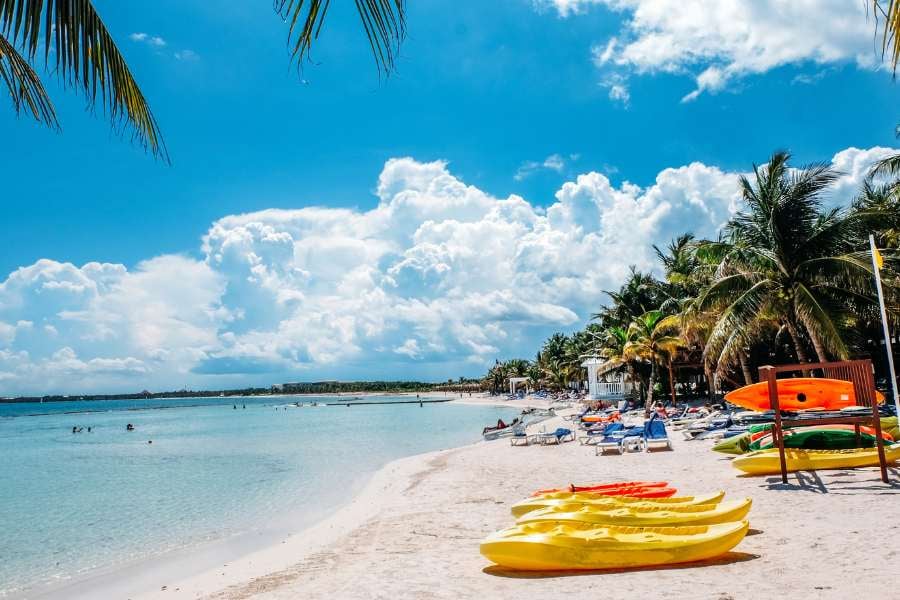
(556, 374)
(535, 375)
(653, 337)
(882, 202)
(640, 292)
(70, 39)
(787, 260)
(554, 348)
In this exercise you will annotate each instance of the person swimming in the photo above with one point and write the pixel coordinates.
(129, 427)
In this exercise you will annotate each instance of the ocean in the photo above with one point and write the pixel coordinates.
(78, 504)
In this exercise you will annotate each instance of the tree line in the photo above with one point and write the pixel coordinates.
(788, 279)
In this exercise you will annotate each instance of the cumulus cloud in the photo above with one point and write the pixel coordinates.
(719, 41)
(436, 280)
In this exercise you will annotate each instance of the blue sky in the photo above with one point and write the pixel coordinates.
(513, 98)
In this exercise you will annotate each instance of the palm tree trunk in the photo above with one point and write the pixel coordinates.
(817, 344)
(710, 392)
(745, 368)
(651, 384)
(672, 384)
(798, 342)
(798, 345)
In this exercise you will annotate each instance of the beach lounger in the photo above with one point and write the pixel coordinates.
(633, 440)
(655, 436)
(520, 437)
(557, 437)
(611, 440)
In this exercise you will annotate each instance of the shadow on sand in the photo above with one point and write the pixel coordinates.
(726, 559)
(838, 482)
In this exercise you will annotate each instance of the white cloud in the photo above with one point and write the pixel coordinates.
(619, 92)
(554, 162)
(718, 41)
(435, 281)
(152, 40)
(186, 55)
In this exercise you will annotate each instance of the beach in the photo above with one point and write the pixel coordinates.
(415, 529)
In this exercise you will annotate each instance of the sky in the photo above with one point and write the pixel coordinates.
(328, 223)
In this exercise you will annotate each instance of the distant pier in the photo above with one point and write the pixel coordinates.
(355, 403)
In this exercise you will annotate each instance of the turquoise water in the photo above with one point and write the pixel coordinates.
(74, 504)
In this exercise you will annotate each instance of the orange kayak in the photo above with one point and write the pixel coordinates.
(600, 418)
(609, 489)
(799, 393)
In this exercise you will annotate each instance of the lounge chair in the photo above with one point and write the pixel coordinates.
(633, 439)
(611, 440)
(595, 434)
(520, 437)
(557, 437)
(655, 435)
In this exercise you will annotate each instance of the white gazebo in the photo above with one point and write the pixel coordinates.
(603, 390)
(514, 382)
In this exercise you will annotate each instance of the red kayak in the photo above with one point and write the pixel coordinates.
(611, 489)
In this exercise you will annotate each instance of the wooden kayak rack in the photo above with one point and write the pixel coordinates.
(859, 373)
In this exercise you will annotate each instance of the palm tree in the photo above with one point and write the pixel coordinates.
(786, 260)
(882, 202)
(652, 337)
(69, 37)
(640, 292)
(554, 348)
(535, 374)
(556, 374)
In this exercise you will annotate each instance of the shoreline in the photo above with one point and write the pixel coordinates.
(414, 532)
(267, 566)
(239, 556)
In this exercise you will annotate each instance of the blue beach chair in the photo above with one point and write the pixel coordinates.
(655, 436)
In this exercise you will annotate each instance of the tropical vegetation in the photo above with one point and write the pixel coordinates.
(789, 279)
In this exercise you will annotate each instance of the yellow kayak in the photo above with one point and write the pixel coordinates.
(765, 462)
(578, 498)
(553, 546)
(638, 516)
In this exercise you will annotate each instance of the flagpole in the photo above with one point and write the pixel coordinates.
(884, 322)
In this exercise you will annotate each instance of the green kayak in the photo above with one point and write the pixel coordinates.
(736, 444)
(827, 439)
(818, 439)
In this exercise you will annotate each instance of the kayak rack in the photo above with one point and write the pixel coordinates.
(859, 372)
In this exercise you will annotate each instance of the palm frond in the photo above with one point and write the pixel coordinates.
(887, 18)
(740, 315)
(76, 44)
(25, 87)
(886, 167)
(384, 22)
(818, 321)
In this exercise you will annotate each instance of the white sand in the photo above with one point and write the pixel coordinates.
(415, 530)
